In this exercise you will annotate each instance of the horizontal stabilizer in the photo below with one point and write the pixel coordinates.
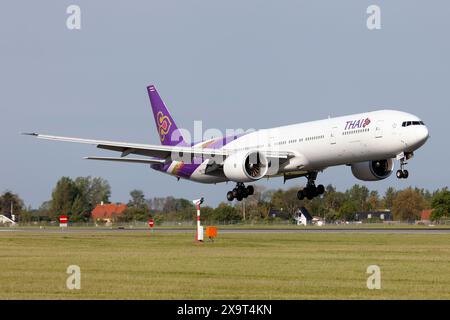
(133, 160)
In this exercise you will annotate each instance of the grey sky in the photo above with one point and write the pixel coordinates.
(232, 64)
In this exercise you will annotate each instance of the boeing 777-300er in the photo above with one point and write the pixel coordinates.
(367, 142)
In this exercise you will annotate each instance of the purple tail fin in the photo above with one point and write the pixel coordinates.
(167, 129)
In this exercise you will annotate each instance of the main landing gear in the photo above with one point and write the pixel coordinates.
(311, 191)
(240, 192)
(402, 173)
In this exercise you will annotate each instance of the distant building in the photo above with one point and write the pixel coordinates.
(108, 212)
(368, 215)
(318, 221)
(284, 215)
(303, 217)
(274, 213)
(425, 215)
(6, 221)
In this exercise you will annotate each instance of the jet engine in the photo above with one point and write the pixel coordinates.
(373, 170)
(245, 166)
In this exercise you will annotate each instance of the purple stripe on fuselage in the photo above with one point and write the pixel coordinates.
(187, 169)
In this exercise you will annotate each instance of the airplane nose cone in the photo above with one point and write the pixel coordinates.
(422, 136)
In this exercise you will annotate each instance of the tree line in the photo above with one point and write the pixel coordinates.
(78, 197)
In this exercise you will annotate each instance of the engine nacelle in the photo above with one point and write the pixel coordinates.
(373, 170)
(245, 166)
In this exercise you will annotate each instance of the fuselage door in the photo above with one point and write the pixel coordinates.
(333, 135)
(271, 142)
(379, 129)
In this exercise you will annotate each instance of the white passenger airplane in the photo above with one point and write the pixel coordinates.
(367, 142)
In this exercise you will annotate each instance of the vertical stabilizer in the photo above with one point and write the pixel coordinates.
(165, 125)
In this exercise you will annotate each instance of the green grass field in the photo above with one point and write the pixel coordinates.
(140, 265)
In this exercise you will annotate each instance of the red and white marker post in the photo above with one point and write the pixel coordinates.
(63, 221)
(151, 224)
(199, 233)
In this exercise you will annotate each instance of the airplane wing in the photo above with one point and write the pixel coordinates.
(149, 150)
(131, 160)
(157, 151)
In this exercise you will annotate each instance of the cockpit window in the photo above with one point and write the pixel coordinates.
(412, 123)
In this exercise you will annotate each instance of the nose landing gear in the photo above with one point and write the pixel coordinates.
(402, 173)
(240, 192)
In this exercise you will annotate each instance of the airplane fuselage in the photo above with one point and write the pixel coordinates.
(320, 144)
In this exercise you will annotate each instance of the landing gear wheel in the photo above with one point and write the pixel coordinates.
(405, 174)
(402, 174)
(240, 192)
(310, 192)
(320, 189)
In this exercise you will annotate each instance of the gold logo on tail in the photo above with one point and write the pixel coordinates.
(164, 125)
